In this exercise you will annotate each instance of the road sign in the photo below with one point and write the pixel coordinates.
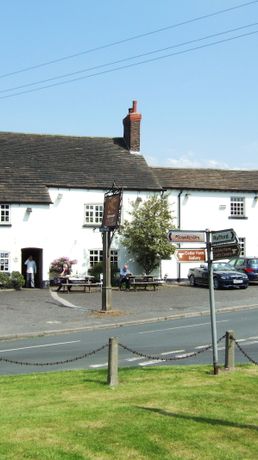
(183, 236)
(190, 255)
(225, 251)
(223, 236)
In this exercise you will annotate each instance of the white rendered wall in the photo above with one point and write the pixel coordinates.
(59, 230)
(211, 210)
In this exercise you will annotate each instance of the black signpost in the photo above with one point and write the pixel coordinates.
(110, 222)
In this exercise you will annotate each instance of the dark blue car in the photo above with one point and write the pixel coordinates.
(224, 276)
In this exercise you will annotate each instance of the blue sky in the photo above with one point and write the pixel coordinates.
(199, 107)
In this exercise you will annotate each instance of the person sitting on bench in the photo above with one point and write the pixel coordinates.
(63, 277)
(124, 277)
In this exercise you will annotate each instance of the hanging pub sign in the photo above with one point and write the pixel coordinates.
(112, 209)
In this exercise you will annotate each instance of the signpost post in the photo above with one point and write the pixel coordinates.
(220, 244)
(212, 305)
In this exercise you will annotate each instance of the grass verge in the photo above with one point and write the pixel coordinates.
(155, 413)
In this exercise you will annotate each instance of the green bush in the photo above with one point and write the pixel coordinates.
(17, 281)
(5, 281)
(11, 281)
(97, 269)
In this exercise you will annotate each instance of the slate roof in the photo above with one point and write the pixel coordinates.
(208, 179)
(29, 163)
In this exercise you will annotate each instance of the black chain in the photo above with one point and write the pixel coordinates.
(174, 358)
(23, 363)
(244, 353)
(85, 355)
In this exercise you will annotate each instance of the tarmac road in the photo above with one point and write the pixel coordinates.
(32, 312)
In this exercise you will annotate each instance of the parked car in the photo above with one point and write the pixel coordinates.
(224, 276)
(248, 265)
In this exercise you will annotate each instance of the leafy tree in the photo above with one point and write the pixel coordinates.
(146, 234)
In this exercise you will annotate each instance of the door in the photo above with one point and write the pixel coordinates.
(37, 254)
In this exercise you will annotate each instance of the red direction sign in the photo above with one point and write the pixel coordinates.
(190, 255)
(225, 251)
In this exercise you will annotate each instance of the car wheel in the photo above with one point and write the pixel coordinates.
(216, 283)
(192, 281)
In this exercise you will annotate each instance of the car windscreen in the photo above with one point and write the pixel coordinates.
(222, 267)
(252, 263)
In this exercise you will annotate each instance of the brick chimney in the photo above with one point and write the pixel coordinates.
(131, 124)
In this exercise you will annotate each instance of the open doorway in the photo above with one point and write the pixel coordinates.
(36, 253)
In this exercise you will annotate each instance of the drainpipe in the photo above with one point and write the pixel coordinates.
(179, 227)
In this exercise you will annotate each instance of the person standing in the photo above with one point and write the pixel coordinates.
(31, 270)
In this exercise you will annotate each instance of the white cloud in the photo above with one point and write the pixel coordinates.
(188, 160)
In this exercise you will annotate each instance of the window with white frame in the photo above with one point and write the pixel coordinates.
(4, 214)
(4, 261)
(242, 246)
(93, 214)
(237, 206)
(96, 256)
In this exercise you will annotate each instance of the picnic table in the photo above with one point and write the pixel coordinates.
(75, 283)
(144, 282)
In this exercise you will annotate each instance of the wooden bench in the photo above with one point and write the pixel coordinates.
(144, 284)
(67, 287)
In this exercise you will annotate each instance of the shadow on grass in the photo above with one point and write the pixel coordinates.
(97, 381)
(211, 421)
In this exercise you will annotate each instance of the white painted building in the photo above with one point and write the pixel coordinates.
(211, 199)
(52, 193)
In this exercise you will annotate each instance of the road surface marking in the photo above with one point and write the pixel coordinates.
(137, 358)
(40, 346)
(200, 347)
(180, 327)
(95, 366)
(247, 338)
(154, 361)
(172, 352)
(250, 343)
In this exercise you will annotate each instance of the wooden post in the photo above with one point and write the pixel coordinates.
(106, 287)
(113, 362)
(230, 350)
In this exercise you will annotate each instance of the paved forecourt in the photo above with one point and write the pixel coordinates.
(43, 311)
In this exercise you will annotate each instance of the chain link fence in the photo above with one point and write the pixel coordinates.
(130, 350)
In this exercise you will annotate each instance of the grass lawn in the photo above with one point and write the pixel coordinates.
(155, 413)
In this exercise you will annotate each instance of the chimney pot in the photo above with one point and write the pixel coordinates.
(134, 106)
